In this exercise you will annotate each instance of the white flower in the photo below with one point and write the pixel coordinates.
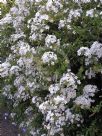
(71, 93)
(20, 62)
(15, 37)
(83, 51)
(69, 115)
(4, 69)
(61, 24)
(83, 1)
(49, 57)
(6, 19)
(34, 99)
(90, 90)
(83, 101)
(24, 48)
(3, 1)
(68, 80)
(90, 13)
(14, 70)
(96, 49)
(59, 99)
(54, 88)
(50, 39)
(42, 106)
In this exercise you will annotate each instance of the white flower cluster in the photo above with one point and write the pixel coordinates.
(69, 80)
(51, 40)
(4, 69)
(17, 15)
(49, 58)
(16, 37)
(40, 27)
(90, 13)
(53, 6)
(54, 88)
(95, 51)
(3, 1)
(83, 51)
(50, 9)
(23, 70)
(92, 55)
(55, 109)
(6, 19)
(85, 100)
(85, 1)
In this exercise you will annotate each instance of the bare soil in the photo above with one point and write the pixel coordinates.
(6, 127)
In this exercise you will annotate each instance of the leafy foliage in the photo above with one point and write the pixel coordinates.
(51, 66)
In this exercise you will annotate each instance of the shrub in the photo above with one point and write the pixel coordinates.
(49, 77)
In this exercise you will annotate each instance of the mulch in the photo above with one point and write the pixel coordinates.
(6, 127)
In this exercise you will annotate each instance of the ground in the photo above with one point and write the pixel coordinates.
(6, 127)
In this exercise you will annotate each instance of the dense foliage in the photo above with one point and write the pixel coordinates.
(51, 66)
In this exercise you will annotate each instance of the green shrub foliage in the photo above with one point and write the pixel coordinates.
(51, 66)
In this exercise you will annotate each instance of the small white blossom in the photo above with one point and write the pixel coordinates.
(54, 88)
(49, 57)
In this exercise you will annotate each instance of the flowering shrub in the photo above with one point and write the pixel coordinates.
(51, 65)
